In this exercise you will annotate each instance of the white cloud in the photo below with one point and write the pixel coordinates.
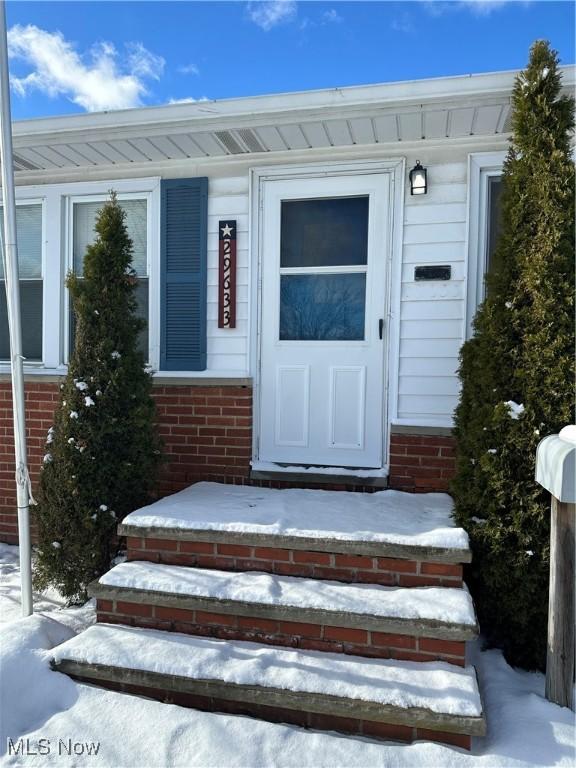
(188, 100)
(189, 69)
(97, 80)
(477, 7)
(483, 7)
(332, 16)
(270, 13)
(142, 62)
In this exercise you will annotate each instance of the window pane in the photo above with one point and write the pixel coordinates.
(29, 236)
(494, 225)
(322, 307)
(324, 233)
(142, 299)
(85, 215)
(31, 311)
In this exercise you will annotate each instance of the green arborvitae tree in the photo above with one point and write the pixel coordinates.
(103, 452)
(517, 372)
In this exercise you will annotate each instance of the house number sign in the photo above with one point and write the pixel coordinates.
(227, 274)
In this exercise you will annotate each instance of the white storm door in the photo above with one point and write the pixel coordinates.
(325, 243)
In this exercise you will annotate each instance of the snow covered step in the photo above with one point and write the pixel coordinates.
(426, 700)
(387, 537)
(363, 619)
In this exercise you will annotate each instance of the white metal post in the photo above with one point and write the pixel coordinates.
(10, 258)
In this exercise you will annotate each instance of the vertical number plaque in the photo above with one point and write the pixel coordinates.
(227, 274)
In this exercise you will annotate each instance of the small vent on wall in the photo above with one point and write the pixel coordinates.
(251, 140)
(507, 123)
(23, 165)
(229, 142)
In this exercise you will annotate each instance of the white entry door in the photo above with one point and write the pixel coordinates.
(325, 243)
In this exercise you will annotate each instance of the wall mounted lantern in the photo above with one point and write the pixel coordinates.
(418, 180)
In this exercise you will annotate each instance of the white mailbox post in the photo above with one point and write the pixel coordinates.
(556, 471)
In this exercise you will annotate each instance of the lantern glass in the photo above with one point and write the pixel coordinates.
(418, 181)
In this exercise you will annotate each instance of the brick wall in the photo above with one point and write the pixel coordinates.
(207, 433)
(41, 399)
(292, 634)
(421, 463)
(370, 729)
(359, 569)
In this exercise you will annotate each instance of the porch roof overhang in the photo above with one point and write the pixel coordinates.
(438, 110)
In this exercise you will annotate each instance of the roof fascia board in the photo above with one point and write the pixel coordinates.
(413, 90)
(278, 109)
(238, 122)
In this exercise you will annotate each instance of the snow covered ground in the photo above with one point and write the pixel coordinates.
(84, 726)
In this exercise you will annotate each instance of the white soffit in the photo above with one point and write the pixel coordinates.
(443, 108)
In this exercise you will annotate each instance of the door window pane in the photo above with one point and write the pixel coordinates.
(29, 238)
(324, 233)
(322, 307)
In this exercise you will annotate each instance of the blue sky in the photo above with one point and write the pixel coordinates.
(82, 56)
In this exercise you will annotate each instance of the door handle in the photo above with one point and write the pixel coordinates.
(380, 327)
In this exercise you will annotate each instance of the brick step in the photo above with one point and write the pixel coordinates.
(387, 699)
(389, 538)
(417, 624)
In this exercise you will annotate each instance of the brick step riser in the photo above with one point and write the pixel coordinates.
(320, 722)
(293, 562)
(313, 637)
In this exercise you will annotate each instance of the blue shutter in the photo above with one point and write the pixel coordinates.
(184, 224)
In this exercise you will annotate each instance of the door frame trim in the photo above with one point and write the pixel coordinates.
(258, 176)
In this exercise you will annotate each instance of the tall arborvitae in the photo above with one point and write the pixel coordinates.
(102, 454)
(517, 371)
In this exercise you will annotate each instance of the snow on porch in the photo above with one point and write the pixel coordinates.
(391, 517)
(436, 604)
(436, 686)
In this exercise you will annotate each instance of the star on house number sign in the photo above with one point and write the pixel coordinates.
(227, 274)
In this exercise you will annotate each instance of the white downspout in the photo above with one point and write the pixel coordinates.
(10, 259)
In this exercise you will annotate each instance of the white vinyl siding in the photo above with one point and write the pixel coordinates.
(432, 313)
(228, 348)
(430, 317)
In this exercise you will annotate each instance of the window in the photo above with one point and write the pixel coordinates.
(84, 217)
(484, 196)
(30, 240)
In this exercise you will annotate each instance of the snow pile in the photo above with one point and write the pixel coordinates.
(393, 517)
(29, 689)
(568, 433)
(524, 731)
(50, 600)
(435, 603)
(436, 685)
